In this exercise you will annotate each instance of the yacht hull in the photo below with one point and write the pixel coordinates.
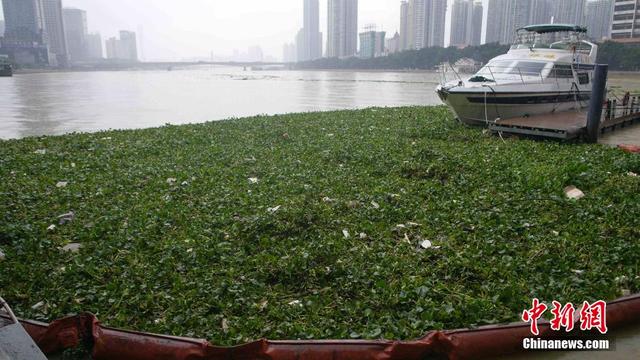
(483, 107)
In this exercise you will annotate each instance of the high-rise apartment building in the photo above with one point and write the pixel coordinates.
(569, 12)
(372, 42)
(426, 23)
(437, 15)
(55, 36)
(540, 12)
(417, 24)
(461, 22)
(125, 48)
(309, 42)
(94, 47)
(25, 33)
(599, 15)
(476, 24)
(342, 31)
(626, 21)
(404, 26)
(393, 44)
(75, 28)
(128, 45)
(506, 16)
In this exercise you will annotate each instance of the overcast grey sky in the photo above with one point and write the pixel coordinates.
(180, 29)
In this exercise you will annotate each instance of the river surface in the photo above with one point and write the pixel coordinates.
(63, 102)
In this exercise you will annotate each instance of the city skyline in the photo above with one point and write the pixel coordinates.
(176, 32)
(378, 12)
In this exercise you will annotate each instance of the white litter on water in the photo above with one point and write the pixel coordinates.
(38, 305)
(72, 248)
(573, 193)
(426, 244)
(273, 210)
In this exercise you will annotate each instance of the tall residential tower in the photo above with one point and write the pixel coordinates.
(75, 27)
(599, 14)
(309, 40)
(342, 30)
(25, 32)
(426, 23)
(54, 24)
(626, 21)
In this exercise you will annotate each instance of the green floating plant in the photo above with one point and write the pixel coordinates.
(375, 223)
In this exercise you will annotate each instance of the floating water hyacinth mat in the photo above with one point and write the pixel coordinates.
(377, 223)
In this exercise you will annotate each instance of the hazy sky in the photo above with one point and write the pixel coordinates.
(180, 29)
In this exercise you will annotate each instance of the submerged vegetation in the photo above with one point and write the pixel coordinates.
(377, 223)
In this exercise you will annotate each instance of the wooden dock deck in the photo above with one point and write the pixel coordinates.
(562, 125)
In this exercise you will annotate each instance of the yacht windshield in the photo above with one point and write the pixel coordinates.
(513, 69)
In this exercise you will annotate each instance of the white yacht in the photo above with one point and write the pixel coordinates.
(547, 70)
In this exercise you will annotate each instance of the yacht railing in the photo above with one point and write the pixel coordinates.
(495, 74)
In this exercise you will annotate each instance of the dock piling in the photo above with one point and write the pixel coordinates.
(597, 100)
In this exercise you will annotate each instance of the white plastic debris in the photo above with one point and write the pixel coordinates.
(406, 239)
(426, 244)
(106, 138)
(62, 184)
(295, 303)
(65, 218)
(171, 181)
(51, 227)
(632, 174)
(573, 193)
(327, 199)
(72, 248)
(38, 305)
(40, 152)
(253, 180)
(363, 236)
(375, 205)
(273, 210)
(345, 232)
(578, 272)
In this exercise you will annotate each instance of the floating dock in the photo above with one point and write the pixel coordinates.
(603, 115)
(570, 124)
